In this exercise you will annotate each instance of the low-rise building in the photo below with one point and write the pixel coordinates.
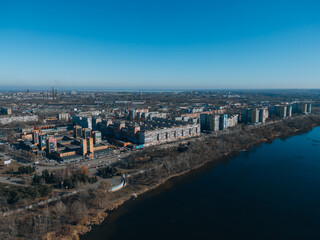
(63, 116)
(11, 119)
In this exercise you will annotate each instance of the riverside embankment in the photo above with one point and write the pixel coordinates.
(268, 192)
(147, 169)
(152, 168)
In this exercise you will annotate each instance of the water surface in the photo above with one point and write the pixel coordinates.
(272, 192)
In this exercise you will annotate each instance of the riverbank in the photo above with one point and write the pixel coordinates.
(153, 176)
(151, 167)
(268, 192)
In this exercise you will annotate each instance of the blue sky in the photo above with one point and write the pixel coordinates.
(160, 44)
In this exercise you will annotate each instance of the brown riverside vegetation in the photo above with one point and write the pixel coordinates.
(147, 169)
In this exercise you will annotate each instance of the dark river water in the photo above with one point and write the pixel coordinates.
(270, 192)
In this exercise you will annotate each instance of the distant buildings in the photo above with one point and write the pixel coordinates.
(304, 108)
(209, 122)
(197, 114)
(85, 122)
(151, 115)
(133, 113)
(63, 116)
(223, 121)
(11, 119)
(5, 111)
(263, 115)
(194, 110)
(232, 120)
(281, 111)
(255, 115)
(285, 110)
(289, 111)
(213, 122)
(144, 114)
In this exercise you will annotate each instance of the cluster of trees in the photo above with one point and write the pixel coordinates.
(107, 172)
(58, 217)
(22, 170)
(16, 194)
(25, 156)
(68, 181)
(26, 170)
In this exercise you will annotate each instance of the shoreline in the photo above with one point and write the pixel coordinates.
(101, 215)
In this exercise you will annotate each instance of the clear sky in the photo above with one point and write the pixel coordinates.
(160, 44)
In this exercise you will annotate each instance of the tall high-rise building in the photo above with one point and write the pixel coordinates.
(52, 144)
(84, 147)
(43, 141)
(87, 147)
(86, 133)
(289, 111)
(223, 121)
(85, 122)
(90, 151)
(96, 137)
(250, 115)
(309, 106)
(255, 113)
(35, 137)
(279, 110)
(263, 115)
(77, 132)
(304, 108)
(209, 122)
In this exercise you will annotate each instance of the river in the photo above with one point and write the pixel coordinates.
(270, 192)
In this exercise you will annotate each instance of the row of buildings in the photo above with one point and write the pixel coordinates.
(148, 128)
(216, 122)
(23, 118)
(144, 114)
(150, 132)
(259, 115)
(254, 116)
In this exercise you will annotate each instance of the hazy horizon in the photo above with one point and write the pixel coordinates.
(105, 89)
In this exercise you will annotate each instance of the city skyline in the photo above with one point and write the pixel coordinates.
(167, 45)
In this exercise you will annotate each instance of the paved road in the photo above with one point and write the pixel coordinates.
(12, 181)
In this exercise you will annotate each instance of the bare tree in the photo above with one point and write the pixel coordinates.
(60, 210)
(100, 194)
(8, 227)
(78, 211)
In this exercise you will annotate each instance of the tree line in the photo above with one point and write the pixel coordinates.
(59, 181)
